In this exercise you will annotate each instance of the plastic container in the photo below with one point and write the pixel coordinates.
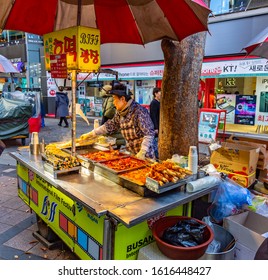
(225, 238)
(34, 149)
(34, 124)
(178, 252)
(193, 159)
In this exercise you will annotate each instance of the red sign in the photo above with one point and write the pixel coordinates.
(58, 66)
(52, 92)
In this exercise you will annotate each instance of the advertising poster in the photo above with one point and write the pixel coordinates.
(245, 109)
(208, 127)
(144, 91)
(262, 101)
(227, 102)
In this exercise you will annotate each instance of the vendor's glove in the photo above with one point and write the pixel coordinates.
(88, 135)
(141, 154)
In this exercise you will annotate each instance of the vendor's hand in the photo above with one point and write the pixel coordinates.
(141, 154)
(88, 135)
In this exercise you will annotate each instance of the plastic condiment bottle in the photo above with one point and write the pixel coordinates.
(96, 123)
(193, 159)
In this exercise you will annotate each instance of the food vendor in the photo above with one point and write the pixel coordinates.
(134, 120)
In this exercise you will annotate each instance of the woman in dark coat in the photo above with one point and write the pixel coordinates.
(62, 106)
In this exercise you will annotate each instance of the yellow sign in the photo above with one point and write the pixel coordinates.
(80, 44)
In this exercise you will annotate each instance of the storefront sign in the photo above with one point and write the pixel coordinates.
(245, 109)
(80, 44)
(227, 68)
(133, 73)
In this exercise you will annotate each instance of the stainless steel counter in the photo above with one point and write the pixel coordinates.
(104, 197)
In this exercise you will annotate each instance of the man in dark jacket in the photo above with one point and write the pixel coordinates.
(62, 106)
(155, 114)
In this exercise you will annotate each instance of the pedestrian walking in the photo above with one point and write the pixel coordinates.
(155, 115)
(62, 105)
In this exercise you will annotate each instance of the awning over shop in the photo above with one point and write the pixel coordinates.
(211, 68)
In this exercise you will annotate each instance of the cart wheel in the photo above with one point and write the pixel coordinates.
(45, 230)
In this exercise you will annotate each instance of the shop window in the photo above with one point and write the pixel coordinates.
(220, 7)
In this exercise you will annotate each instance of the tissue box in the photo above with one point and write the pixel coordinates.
(247, 228)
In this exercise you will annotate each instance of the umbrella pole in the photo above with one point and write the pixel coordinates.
(74, 73)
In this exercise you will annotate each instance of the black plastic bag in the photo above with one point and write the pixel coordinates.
(187, 233)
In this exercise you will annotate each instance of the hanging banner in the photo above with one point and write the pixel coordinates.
(227, 68)
(80, 44)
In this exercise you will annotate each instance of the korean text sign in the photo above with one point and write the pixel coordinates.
(80, 44)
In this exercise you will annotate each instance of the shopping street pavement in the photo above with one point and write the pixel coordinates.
(17, 222)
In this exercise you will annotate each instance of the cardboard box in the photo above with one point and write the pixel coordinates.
(263, 175)
(247, 229)
(238, 161)
(242, 252)
(263, 154)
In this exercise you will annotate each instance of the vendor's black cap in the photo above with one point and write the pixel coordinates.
(120, 90)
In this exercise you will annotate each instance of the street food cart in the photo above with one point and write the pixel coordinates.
(94, 215)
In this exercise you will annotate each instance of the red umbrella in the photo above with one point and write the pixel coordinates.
(119, 21)
(258, 46)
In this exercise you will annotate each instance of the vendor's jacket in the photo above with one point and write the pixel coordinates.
(136, 127)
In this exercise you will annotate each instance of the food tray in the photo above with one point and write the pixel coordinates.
(105, 167)
(107, 173)
(90, 163)
(120, 155)
(56, 173)
(110, 173)
(135, 186)
(85, 162)
(153, 185)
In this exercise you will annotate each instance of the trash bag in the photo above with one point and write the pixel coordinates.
(214, 246)
(187, 233)
(229, 200)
